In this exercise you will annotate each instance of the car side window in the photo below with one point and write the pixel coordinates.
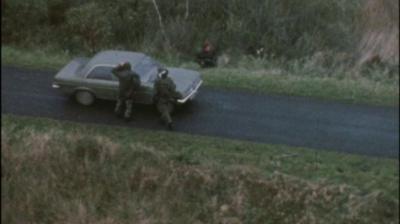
(101, 72)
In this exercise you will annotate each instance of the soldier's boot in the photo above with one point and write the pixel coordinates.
(170, 126)
(118, 108)
(128, 111)
(161, 121)
(168, 120)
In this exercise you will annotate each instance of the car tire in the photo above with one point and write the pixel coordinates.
(85, 98)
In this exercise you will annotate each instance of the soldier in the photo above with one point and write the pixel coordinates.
(165, 96)
(129, 83)
(207, 57)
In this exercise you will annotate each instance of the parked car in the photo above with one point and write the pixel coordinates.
(89, 79)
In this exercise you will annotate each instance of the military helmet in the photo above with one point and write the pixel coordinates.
(162, 72)
(126, 65)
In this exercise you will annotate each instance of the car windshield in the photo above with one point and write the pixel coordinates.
(147, 69)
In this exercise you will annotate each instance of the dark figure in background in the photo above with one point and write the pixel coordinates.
(208, 56)
(165, 96)
(129, 84)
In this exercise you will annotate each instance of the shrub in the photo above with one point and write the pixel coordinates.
(89, 25)
(23, 20)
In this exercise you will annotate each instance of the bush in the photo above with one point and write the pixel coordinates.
(23, 21)
(127, 18)
(291, 29)
(89, 25)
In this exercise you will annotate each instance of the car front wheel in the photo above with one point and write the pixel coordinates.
(84, 97)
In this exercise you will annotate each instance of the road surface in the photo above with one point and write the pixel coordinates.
(293, 121)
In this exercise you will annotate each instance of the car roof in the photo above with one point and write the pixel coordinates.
(113, 57)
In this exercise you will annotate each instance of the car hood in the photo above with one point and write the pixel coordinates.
(184, 79)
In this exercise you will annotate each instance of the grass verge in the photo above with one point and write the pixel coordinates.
(33, 58)
(249, 77)
(64, 172)
(357, 91)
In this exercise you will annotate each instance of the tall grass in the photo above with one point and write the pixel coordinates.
(379, 25)
(54, 172)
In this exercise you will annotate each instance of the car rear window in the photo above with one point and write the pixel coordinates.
(101, 72)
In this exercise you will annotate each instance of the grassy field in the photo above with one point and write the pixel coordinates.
(254, 75)
(64, 172)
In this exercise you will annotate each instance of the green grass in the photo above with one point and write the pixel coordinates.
(33, 58)
(64, 172)
(359, 91)
(255, 75)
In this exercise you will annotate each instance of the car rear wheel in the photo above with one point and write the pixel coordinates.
(84, 97)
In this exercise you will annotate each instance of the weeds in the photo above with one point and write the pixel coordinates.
(71, 176)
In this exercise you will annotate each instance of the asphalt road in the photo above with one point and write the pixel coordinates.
(293, 121)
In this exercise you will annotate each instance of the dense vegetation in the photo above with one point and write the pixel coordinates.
(283, 27)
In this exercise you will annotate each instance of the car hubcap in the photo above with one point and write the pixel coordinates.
(84, 97)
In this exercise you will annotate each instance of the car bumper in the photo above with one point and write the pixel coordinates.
(192, 94)
(55, 86)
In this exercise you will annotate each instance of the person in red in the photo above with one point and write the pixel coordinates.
(207, 56)
(207, 46)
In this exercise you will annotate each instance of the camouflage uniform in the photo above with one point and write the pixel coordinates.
(207, 57)
(165, 98)
(129, 83)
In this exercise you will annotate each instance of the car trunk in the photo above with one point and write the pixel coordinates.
(70, 71)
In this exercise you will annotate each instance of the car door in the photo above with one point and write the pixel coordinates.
(145, 94)
(102, 82)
